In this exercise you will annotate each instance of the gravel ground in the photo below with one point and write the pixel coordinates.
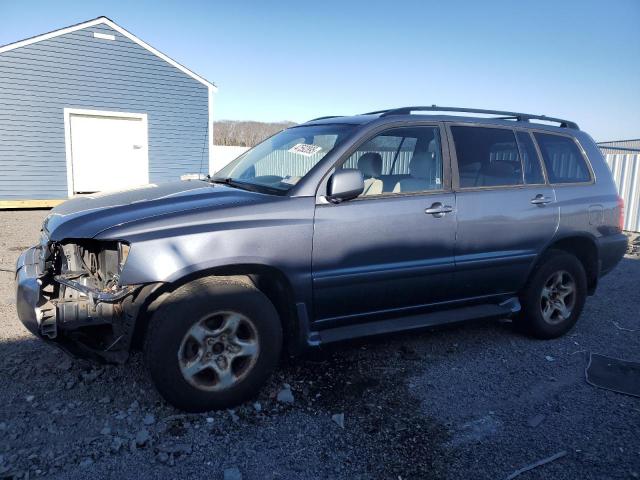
(472, 401)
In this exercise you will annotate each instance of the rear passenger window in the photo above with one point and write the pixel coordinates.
(563, 159)
(400, 160)
(530, 161)
(487, 157)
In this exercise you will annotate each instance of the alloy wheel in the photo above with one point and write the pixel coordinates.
(558, 297)
(218, 351)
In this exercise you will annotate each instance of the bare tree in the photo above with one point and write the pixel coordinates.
(244, 133)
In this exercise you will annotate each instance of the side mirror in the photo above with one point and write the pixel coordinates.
(345, 184)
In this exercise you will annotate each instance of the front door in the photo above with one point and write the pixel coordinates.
(390, 251)
(507, 212)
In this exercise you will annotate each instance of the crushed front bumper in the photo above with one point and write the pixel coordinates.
(96, 325)
(29, 270)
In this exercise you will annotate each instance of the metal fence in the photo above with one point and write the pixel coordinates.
(626, 173)
(620, 146)
(282, 162)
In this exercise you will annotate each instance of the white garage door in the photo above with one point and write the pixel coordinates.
(108, 152)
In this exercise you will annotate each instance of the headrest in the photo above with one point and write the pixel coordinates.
(420, 164)
(370, 164)
(499, 169)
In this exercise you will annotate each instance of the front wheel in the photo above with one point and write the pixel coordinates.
(212, 344)
(554, 296)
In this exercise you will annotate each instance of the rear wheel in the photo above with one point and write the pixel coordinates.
(554, 296)
(212, 344)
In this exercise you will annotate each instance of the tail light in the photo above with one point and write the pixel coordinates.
(620, 213)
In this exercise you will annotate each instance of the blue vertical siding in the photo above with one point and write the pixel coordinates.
(76, 70)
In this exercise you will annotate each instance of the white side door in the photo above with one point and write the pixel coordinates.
(108, 152)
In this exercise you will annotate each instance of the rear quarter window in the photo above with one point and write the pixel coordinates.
(563, 159)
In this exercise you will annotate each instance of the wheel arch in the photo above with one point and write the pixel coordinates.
(271, 281)
(585, 249)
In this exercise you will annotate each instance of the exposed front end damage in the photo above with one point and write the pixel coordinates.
(69, 293)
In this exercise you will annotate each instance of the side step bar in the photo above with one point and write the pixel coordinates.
(415, 322)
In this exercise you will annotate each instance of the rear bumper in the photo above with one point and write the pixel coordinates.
(611, 249)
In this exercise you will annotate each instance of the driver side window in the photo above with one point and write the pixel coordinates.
(400, 160)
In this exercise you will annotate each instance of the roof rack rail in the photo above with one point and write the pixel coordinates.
(520, 117)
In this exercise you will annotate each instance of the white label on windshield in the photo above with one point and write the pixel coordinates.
(305, 149)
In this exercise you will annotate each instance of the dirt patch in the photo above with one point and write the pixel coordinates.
(385, 433)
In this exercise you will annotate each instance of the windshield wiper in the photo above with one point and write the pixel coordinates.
(227, 181)
(223, 180)
(252, 187)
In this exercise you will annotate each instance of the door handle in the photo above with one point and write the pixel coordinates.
(438, 210)
(541, 200)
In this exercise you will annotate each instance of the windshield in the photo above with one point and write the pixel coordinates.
(281, 161)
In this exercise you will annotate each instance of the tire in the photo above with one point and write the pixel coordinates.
(542, 315)
(212, 344)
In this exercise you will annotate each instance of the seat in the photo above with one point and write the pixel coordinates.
(500, 172)
(370, 164)
(389, 182)
(419, 169)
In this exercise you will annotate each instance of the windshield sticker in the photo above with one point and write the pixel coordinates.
(305, 149)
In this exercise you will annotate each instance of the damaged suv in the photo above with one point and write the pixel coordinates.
(338, 228)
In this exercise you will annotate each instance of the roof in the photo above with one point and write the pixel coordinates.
(119, 29)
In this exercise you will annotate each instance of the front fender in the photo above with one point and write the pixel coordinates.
(167, 260)
(282, 243)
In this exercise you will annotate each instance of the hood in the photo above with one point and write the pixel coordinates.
(87, 216)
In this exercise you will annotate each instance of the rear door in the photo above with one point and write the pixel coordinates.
(390, 251)
(507, 212)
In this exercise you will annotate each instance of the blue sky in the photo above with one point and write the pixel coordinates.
(297, 60)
